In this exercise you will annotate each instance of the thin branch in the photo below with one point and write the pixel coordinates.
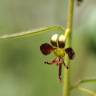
(88, 91)
(33, 32)
(87, 81)
(82, 82)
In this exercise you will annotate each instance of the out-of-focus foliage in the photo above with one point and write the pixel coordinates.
(22, 72)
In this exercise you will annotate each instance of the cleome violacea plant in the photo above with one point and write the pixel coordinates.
(60, 45)
(57, 46)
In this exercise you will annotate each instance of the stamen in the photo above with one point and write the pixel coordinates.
(67, 67)
(60, 72)
(54, 61)
(48, 62)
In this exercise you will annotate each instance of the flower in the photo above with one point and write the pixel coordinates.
(79, 2)
(57, 46)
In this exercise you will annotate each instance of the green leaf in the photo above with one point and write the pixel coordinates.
(82, 82)
(87, 81)
(33, 32)
(88, 91)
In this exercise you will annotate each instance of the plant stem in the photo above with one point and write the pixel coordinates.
(32, 32)
(70, 14)
(91, 93)
(68, 33)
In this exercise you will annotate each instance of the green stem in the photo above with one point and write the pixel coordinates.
(68, 33)
(88, 91)
(32, 32)
(70, 14)
(91, 93)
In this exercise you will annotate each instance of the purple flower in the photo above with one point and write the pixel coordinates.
(57, 46)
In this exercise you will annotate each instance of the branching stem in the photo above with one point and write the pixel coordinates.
(91, 93)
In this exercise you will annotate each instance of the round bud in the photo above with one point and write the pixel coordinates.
(54, 40)
(79, 2)
(61, 41)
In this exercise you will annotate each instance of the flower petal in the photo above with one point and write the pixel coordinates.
(54, 40)
(70, 52)
(61, 41)
(61, 44)
(46, 48)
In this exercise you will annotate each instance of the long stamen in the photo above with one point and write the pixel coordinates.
(60, 72)
(48, 62)
(66, 65)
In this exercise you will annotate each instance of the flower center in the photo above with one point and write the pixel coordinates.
(59, 52)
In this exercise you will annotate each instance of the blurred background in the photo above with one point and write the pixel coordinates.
(22, 69)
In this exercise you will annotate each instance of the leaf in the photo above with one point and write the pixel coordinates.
(82, 82)
(88, 91)
(32, 32)
(87, 81)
